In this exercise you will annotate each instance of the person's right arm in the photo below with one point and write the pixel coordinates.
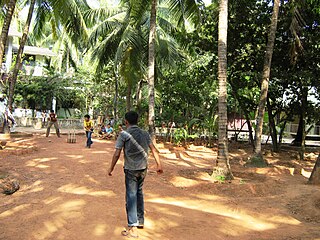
(156, 157)
(114, 161)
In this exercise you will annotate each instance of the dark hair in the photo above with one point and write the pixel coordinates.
(87, 116)
(52, 111)
(132, 117)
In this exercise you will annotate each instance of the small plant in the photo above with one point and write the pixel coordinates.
(242, 181)
(220, 179)
(180, 135)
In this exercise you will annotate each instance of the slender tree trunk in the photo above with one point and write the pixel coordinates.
(151, 69)
(258, 158)
(250, 130)
(222, 167)
(128, 98)
(139, 96)
(301, 132)
(281, 133)
(18, 64)
(304, 104)
(315, 175)
(5, 28)
(115, 100)
(272, 127)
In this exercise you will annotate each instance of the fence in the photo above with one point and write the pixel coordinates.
(37, 123)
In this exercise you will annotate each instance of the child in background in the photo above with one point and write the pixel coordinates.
(88, 127)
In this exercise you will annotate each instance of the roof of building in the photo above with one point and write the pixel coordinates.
(13, 32)
(35, 51)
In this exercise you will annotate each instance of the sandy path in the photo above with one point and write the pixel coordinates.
(65, 194)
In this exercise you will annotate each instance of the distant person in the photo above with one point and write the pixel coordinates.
(44, 116)
(88, 127)
(109, 131)
(136, 144)
(53, 120)
(5, 114)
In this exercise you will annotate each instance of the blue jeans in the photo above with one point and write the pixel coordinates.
(89, 141)
(134, 196)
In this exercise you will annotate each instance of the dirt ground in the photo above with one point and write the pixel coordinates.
(65, 194)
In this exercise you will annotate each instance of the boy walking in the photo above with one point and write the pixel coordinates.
(88, 127)
(135, 143)
(52, 120)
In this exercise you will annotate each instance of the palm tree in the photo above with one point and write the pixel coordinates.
(257, 159)
(223, 167)
(18, 64)
(121, 34)
(151, 67)
(182, 11)
(61, 14)
(5, 28)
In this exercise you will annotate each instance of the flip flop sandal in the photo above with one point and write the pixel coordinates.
(128, 234)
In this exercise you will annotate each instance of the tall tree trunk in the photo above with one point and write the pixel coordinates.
(139, 96)
(272, 127)
(301, 132)
(18, 64)
(151, 68)
(222, 167)
(5, 28)
(315, 175)
(304, 103)
(250, 129)
(281, 133)
(128, 98)
(257, 159)
(115, 100)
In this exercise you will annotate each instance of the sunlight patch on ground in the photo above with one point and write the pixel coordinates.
(12, 211)
(69, 207)
(283, 219)
(100, 230)
(209, 156)
(75, 156)
(194, 162)
(178, 181)
(201, 149)
(37, 162)
(64, 212)
(91, 179)
(81, 190)
(237, 217)
(35, 187)
(171, 156)
(305, 173)
(208, 197)
(51, 200)
(178, 163)
(99, 152)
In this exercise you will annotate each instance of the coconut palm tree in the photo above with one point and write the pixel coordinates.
(18, 64)
(182, 12)
(138, 20)
(257, 159)
(121, 35)
(5, 28)
(151, 67)
(62, 14)
(223, 167)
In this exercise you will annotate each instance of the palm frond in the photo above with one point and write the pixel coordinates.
(184, 11)
(69, 13)
(107, 26)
